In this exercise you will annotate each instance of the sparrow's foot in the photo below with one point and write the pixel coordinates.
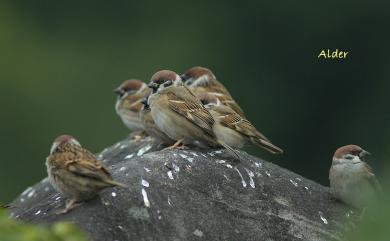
(137, 136)
(177, 145)
(69, 206)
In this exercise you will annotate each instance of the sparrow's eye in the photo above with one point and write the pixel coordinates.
(349, 157)
(189, 81)
(168, 83)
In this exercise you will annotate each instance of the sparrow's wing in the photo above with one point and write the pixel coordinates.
(372, 179)
(232, 120)
(87, 165)
(219, 91)
(187, 105)
(222, 94)
(234, 106)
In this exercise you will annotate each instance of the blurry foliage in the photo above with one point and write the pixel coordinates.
(13, 230)
(375, 224)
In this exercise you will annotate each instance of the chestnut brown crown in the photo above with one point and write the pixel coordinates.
(131, 85)
(163, 77)
(354, 150)
(195, 73)
(63, 140)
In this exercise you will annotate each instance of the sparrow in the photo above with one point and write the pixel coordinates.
(351, 179)
(128, 105)
(232, 128)
(150, 126)
(75, 172)
(201, 80)
(179, 113)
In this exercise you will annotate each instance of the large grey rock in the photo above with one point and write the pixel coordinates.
(194, 195)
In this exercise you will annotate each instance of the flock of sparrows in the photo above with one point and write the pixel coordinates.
(191, 109)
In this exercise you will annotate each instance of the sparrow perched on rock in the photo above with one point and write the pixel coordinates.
(128, 105)
(202, 80)
(150, 126)
(75, 172)
(180, 114)
(351, 179)
(233, 129)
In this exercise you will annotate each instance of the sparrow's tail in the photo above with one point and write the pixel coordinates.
(114, 183)
(231, 151)
(266, 145)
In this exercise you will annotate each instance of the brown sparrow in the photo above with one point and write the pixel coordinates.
(351, 179)
(180, 114)
(128, 105)
(232, 128)
(150, 126)
(202, 80)
(75, 172)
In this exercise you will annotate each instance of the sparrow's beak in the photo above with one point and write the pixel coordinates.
(364, 153)
(119, 91)
(144, 101)
(154, 86)
(184, 77)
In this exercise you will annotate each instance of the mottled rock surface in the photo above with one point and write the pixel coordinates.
(194, 195)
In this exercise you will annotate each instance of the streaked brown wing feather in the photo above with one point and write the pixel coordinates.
(87, 165)
(192, 109)
(234, 121)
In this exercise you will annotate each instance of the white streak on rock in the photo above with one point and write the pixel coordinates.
(242, 178)
(31, 193)
(169, 173)
(221, 161)
(183, 156)
(143, 150)
(322, 218)
(176, 167)
(198, 233)
(145, 183)
(129, 156)
(146, 200)
(251, 176)
(169, 202)
(26, 191)
(294, 183)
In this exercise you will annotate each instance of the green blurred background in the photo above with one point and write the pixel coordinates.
(60, 61)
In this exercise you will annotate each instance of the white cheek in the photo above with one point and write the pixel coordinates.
(74, 142)
(53, 147)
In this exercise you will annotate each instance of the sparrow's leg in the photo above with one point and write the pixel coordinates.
(177, 145)
(69, 206)
(137, 136)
